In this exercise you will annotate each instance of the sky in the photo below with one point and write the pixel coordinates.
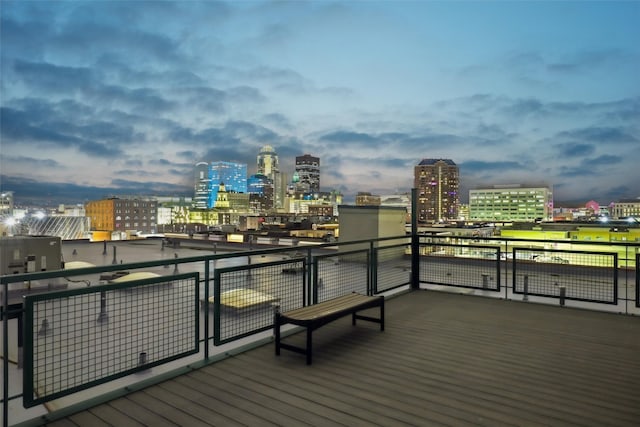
(124, 97)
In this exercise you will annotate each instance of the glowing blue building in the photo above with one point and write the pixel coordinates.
(233, 175)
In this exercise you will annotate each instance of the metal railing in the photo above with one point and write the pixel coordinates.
(600, 276)
(91, 332)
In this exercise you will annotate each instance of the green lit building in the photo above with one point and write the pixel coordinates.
(511, 203)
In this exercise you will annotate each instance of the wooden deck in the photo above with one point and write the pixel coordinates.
(443, 359)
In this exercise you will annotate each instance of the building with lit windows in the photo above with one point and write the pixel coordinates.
(437, 183)
(507, 203)
(6, 203)
(260, 189)
(367, 199)
(120, 217)
(202, 186)
(627, 208)
(268, 165)
(307, 173)
(233, 175)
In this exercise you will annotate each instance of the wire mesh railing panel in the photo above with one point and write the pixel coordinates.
(84, 337)
(340, 274)
(581, 276)
(468, 266)
(393, 267)
(245, 296)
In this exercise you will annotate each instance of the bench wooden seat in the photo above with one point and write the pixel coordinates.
(314, 316)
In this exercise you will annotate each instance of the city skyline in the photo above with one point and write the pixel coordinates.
(126, 97)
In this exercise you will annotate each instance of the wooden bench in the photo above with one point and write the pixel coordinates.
(314, 316)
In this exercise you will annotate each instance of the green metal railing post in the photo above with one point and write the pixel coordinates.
(206, 309)
(5, 352)
(372, 284)
(311, 271)
(415, 242)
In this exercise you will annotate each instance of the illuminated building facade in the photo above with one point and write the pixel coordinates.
(123, 215)
(367, 199)
(437, 184)
(6, 203)
(233, 175)
(268, 165)
(307, 173)
(628, 208)
(515, 202)
(202, 186)
(260, 188)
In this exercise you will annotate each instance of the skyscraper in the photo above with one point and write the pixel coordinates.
(308, 173)
(232, 175)
(202, 186)
(437, 183)
(268, 166)
(267, 161)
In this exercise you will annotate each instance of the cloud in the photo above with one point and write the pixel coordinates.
(54, 78)
(477, 166)
(342, 137)
(590, 166)
(278, 120)
(33, 162)
(17, 129)
(587, 60)
(600, 135)
(576, 149)
(38, 191)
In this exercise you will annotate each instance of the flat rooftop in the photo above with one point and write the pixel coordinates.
(443, 359)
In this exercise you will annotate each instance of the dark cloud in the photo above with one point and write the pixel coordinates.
(148, 188)
(245, 94)
(56, 192)
(33, 162)
(588, 60)
(278, 120)
(133, 163)
(345, 137)
(54, 78)
(600, 135)
(146, 100)
(576, 149)
(133, 172)
(595, 166)
(18, 128)
(525, 107)
(187, 154)
(603, 160)
(477, 166)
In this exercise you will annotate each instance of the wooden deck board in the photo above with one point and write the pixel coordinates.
(443, 359)
(114, 417)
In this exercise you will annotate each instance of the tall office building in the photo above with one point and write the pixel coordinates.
(268, 166)
(511, 203)
(437, 182)
(232, 175)
(308, 173)
(260, 189)
(202, 186)
(268, 161)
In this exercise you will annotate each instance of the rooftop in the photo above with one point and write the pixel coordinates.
(443, 359)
